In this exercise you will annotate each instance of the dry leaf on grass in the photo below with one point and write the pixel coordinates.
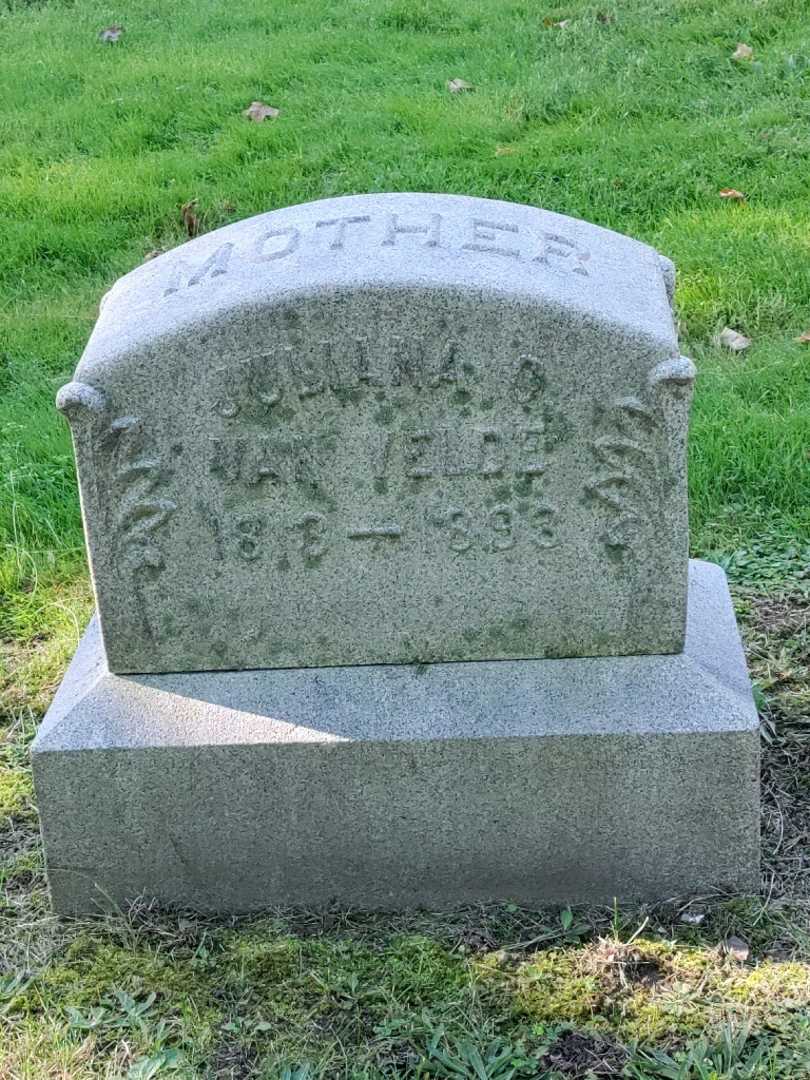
(732, 193)
(737, 949)
(458, 86)
(505, 151)
(743, 52)
(111, 34)
(561, 25)
(258, 111)
(605, 18)
(733, 339)
(152, 254)
(804, 339)
(190, 219)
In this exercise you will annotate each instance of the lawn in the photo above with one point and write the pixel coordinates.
(634, 115)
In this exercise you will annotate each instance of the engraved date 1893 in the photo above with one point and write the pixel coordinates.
(308, 537)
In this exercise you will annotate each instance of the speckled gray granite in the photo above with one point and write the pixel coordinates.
(395, 786)
(386, 429)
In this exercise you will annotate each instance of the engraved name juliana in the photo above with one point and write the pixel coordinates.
(477, 236)
(255, 384)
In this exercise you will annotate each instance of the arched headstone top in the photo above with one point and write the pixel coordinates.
(386, 428)
(389, 241)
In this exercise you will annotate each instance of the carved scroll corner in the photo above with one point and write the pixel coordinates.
(78, 401)
(678, 371)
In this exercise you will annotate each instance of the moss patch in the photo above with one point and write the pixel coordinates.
(656, 990)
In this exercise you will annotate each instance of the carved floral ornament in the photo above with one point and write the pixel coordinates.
(632, 454)
(134, 508)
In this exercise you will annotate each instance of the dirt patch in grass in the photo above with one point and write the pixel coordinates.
(776, 629)
(579, 1055)
(233, 1060)
(782, 617)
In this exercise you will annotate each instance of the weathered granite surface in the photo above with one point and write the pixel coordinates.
(394, 786)
(381, 429)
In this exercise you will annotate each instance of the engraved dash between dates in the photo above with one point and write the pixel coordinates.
(376, 532)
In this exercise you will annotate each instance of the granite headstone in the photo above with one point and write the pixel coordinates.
(385, 502)
(386, 429)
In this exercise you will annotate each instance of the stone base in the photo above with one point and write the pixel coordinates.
(394, 787)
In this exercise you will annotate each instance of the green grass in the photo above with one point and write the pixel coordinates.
(633, 116)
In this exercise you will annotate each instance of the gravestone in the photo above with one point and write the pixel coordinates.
(397, 429)
(385, 504)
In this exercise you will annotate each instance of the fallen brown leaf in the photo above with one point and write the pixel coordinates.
(557, 25)
(804, 339)
(737, 949)
(732, 193)
(190, 219)
(505, 151)
(458, 86)
(152, 254)
(605, 17)
(258, 111)
(733, 339)
(111, 34)
(743, 52)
